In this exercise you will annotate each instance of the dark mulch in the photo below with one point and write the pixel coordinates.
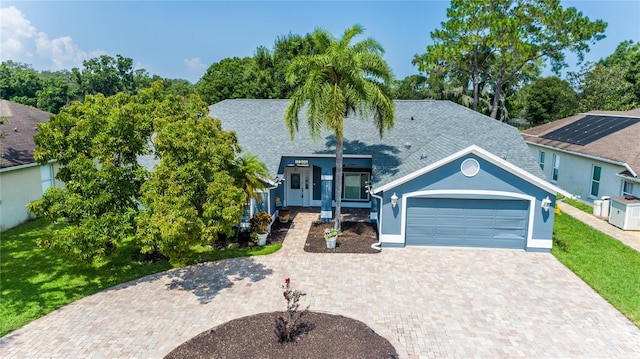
(278, 232)
(324, 336)
(356, 237)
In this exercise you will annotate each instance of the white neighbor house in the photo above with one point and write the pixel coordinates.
(592, 154)
(22, 180)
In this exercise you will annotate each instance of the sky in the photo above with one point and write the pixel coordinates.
(181, 39)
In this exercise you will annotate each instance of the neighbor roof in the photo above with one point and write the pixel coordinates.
(621, 146)
(424, 132)
(17, 146)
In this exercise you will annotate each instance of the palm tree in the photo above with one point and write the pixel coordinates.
(250, 175)
(339, 80)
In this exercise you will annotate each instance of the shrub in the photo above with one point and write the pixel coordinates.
(260, 222)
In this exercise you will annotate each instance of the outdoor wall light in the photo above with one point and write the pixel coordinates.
(546, 203)
(394, 200)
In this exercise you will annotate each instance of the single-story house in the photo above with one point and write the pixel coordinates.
(444, 175)
(22, 180)
(591, 154)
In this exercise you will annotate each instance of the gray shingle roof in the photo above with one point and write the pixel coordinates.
(17, 146)
(436, 129)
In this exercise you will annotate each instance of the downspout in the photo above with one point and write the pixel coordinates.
(377, 246)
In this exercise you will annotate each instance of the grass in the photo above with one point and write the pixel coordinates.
(611, 268)
(579, 205)
(35, 281)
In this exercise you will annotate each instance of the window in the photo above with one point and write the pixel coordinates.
(541, 160)
(295, 181)
(46, 177)
(595, 180)
(556, 167)
(354, 186)
(627, 188)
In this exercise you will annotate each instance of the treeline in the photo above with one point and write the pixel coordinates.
(52, 90)
(613, 83)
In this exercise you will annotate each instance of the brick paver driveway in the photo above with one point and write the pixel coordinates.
(429, 302)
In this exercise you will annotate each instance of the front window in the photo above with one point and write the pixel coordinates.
(355, 186)
(541, 161)
(556, 167)
(595, 180)
(627, 188)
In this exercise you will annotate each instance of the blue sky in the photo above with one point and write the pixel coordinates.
(180, 39)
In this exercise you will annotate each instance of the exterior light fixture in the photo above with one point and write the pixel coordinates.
(394, 200)
(545, 204)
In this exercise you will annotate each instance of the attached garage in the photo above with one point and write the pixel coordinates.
(472, 198)
(492, 223)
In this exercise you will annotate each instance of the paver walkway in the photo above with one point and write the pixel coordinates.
(428, 302)
(630, 238)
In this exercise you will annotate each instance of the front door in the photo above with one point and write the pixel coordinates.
(298, 187)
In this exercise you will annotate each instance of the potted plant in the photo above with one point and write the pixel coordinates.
(284, 215)
(330, 236)
(260, 224)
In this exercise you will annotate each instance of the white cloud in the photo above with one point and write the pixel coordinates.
(195, 65)
(21, 42)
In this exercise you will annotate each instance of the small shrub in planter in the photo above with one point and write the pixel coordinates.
(260, 222)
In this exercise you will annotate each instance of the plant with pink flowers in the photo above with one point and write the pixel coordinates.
(288, 324)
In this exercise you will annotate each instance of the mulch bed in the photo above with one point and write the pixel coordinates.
(324, 336)
(278, 232)
(356, 237)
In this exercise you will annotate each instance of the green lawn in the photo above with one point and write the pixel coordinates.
(579, 205)
(35, 281)
(608, 266)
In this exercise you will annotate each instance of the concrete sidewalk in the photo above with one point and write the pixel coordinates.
(630, 238)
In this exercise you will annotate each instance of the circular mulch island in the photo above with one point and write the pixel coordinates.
(323, 336)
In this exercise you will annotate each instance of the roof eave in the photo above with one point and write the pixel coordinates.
(474, 149)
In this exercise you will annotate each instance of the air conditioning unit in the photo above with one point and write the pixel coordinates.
(625, 213)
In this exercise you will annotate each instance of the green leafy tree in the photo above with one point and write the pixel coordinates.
(412, 87)
(226, 79)
(96, 142)
(341, 79)
(496, 41)
(605, 88)
(549, 99)
(612, 83)
(191, 196)
(19, 83)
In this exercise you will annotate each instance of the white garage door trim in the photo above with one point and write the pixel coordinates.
(404, 197)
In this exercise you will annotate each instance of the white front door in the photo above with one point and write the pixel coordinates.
(298, 187)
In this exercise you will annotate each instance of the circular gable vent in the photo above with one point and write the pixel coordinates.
(470, 167)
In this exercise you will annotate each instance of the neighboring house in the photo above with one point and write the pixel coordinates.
(22, 180)
(592, 154)
(444, 175)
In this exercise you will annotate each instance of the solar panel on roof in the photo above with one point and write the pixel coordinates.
(590, 128)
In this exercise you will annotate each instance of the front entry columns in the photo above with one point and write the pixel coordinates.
(326, 213)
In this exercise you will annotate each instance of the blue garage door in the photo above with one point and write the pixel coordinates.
(467, 222)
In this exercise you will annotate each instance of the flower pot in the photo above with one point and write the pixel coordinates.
(262, 239)
(284, 215)
(331, 242)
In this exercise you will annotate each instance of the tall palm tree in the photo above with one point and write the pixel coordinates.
(339, 80)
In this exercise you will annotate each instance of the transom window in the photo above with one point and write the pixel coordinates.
(541, 160)
(595, 180)
(627, 188)
(556, 167)
(355, 186)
